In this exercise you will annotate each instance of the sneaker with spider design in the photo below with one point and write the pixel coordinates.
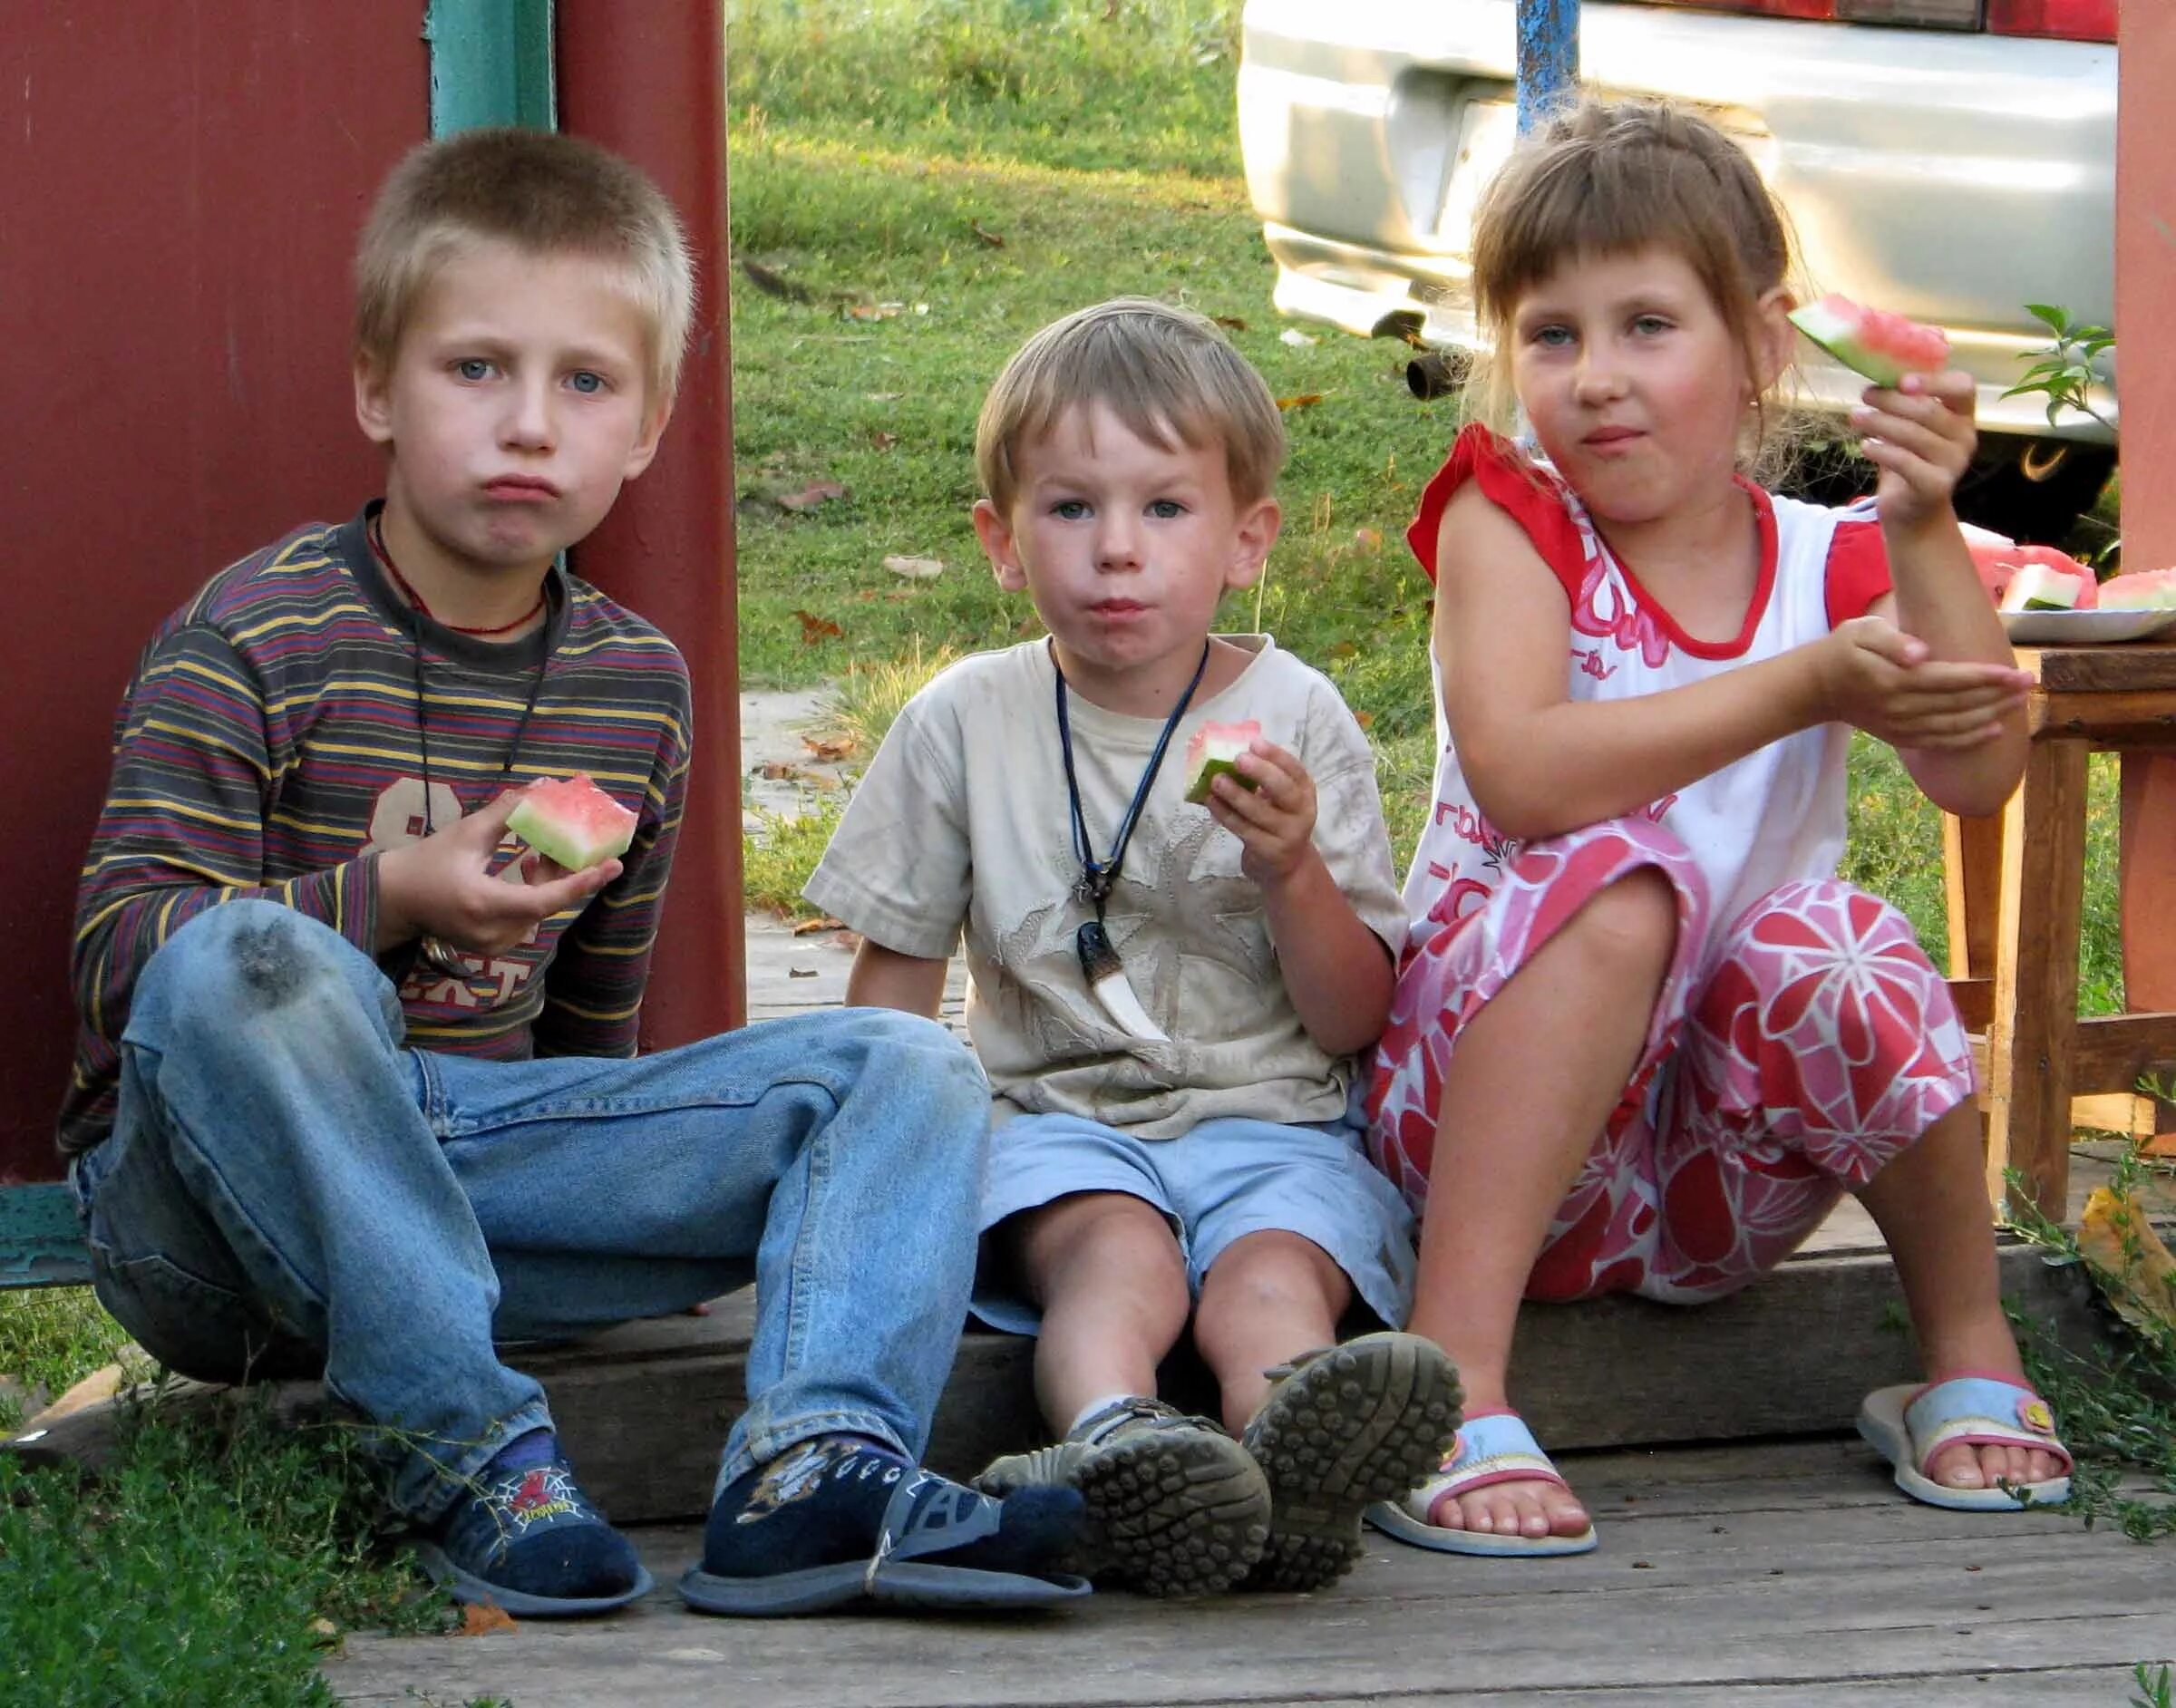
(1175, 1506)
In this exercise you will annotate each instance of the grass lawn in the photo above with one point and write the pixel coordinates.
(1013, 160)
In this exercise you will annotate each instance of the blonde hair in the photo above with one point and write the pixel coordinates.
(1162, 370)
(1606, 178)
(546, 195)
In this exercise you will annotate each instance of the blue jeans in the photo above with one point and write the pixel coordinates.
(287, 1188)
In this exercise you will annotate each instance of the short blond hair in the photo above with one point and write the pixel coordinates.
(1162, 370)
(544, 194)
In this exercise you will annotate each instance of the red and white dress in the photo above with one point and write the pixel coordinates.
(1802, 1037)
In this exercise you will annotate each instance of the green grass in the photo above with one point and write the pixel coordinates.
(51, 1339)
(870, 141)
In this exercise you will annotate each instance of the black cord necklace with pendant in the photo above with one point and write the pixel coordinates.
(1100, 964)
(439, 955)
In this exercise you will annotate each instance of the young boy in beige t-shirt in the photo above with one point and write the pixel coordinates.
(1166, 996)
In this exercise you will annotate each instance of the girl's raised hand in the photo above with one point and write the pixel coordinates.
(1920, 435)
(1875, 676)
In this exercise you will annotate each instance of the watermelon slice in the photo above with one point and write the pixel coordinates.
(574, 823)
(2037, 587)
(1998, 566)
(2141, 590)
(1210, 753)
(1883, 346)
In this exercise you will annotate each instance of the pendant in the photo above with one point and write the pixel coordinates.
(1106, 977)
(442, 957)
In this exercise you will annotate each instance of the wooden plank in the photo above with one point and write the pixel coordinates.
(1972, 874)
(2114, 1052)
(2143, 720)
(2036, 974)
(1974, 997)
(2129, 667)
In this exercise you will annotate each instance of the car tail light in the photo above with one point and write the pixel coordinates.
(1949, 15)
(2071, 20)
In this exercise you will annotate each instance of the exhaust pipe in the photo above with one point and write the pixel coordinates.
(1434, 374)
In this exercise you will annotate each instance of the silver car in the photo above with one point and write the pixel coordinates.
(1954, 174)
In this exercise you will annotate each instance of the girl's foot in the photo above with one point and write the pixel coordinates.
(1975, 1441)
(1498, 1494)
(1987, 1465)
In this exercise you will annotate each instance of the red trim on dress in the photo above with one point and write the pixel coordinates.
(1858, 570)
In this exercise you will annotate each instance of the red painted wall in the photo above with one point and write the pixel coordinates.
(179, 197)
(2145, 288)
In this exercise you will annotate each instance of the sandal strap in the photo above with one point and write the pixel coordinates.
(1496, 1447)
(929, 1515)
(1981, 1412)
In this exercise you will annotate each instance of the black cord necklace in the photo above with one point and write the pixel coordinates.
(1100, 964)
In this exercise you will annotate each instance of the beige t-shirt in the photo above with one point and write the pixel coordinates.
(962, 821)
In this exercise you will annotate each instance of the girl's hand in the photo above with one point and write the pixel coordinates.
(1275, 820)
(1921, 436)
(1875, 676)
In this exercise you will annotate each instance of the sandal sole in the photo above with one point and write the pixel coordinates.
(1361, 1425)
(1175, 1514)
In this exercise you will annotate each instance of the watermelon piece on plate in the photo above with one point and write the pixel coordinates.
(2141, 590)
(2037, 587)
(1210, 753)
(574, 823)
(1883, 346)
(1998, 566)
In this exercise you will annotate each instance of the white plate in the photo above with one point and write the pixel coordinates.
(2074, 628)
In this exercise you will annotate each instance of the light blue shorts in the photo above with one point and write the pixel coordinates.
(1226, 1178)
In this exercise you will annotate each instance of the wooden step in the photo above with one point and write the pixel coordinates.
(644, 1408)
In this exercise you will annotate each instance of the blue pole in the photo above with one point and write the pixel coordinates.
(1548, 58)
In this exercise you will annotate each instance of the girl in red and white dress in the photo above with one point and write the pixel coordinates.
(1643, 1037)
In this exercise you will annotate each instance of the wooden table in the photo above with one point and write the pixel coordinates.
(2015, 894)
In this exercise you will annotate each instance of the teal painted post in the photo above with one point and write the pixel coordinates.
(1549, 57)
(490, 64)
(40, 1242)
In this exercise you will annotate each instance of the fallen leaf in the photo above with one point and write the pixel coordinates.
(480, 1618)
(777, 770)
(2132, 1267)
(914, 568)
(1365, 720)
(1294, 336)
(846, 939)
(800, 972)
(1344, 649)
(882, 440)
(831, 749)
(875, 311)
(994, 239)
(1300, 400)
(810, 928)
(325, 1630)
(810, 496)
(814, 628)
(1232, 321)
(882, 397)
(1371, 538)
(772, 284)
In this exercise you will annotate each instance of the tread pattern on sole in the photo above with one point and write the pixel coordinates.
(1363, 1422)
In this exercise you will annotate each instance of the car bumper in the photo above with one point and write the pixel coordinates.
(1954, 178)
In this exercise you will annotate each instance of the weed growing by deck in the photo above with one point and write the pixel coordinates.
(49, 1339)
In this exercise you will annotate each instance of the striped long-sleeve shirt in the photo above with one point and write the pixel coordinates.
(271, 744)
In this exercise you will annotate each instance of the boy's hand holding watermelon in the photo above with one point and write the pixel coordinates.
(444, 886)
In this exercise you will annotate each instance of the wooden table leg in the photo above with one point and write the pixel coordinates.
(2036, 1018)
(2148, 885)
(1972, 874)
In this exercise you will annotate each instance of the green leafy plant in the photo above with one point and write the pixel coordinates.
(2154, 1689)
(2067, 370)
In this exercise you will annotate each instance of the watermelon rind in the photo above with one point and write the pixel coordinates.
(1838, 335)
(2141, 590)
(1205, 778)
(2037, 587)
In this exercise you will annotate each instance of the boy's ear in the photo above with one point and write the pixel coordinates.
(1255, 533)
(997, 545)
(374, 399)
(644, 448)
(1778, 338)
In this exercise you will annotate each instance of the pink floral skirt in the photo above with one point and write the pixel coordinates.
(1787, 1060)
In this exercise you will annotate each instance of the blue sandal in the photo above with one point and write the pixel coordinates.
(1909, 1424)
(926, 1515)
(1491, 1448)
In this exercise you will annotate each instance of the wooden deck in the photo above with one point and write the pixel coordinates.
(1783, 1570)
(1786, 1572)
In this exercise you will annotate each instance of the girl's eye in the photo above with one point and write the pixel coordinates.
(1648, 326)
(473, 368)
(1164, 510)
(585, 382)
(1552, 337)
(1069, 509)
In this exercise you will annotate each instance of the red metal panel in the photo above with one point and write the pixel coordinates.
(650, 80)
(180, 189)
(2145, 286)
